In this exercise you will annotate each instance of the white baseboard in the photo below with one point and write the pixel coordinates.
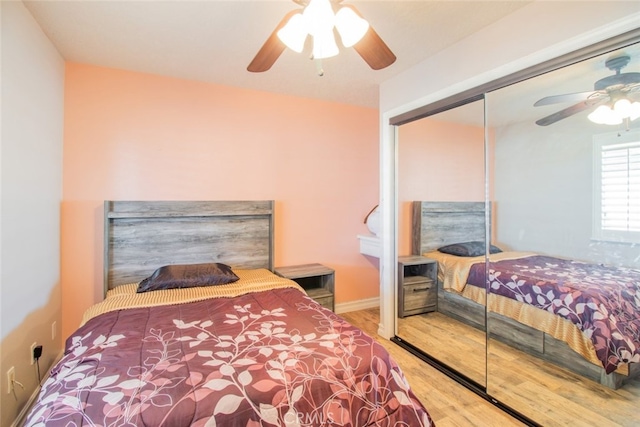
(21, 418)
(346, 307)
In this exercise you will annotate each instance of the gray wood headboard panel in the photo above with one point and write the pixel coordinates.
(437, 224)
(141, 236)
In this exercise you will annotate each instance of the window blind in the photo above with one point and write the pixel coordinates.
(620, 187)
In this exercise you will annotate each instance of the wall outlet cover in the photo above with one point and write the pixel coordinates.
(33, 346)
(11, 377)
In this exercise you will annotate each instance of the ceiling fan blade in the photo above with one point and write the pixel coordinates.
(372, 48)
(374, 51)
(569, 97)
(632, 89)
(271, 49)
(570, 111)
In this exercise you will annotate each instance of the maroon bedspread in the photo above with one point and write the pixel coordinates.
(271, 358)
(603, 301)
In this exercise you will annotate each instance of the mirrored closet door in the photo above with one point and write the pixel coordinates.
(441, 193)
(564, 296)
(519, 238)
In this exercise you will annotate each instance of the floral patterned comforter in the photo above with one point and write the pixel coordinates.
(273, 358)
(603, 301)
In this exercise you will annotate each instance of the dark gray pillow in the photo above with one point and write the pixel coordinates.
(468, 249)
(187, 276)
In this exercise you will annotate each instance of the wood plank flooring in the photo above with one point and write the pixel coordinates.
(452, 342)
(561, 397)
(551, 395)
(449, 403)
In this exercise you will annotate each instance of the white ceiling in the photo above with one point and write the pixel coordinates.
(214, 41)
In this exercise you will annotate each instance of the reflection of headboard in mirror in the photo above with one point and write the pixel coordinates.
(141, 236)
(437, 224)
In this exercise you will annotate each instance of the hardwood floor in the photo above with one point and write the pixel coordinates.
(540, 390)
(516, 378)
(449, 403)
(568, 398)
(461, 347)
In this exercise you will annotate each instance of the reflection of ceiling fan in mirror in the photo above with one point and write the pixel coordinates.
(318, 19)
(615, 98)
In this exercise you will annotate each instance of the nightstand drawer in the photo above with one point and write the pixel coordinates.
(326, 302)
(321, 296)
(317, 280)
(417, 285)
(419, 295)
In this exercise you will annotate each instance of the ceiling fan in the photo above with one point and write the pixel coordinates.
(293, 29)
(616, 97)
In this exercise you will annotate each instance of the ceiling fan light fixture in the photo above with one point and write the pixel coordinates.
(294, 33)
(351, 27)
(318, 20)
(622, 109)
(605, 115)
(616, 98)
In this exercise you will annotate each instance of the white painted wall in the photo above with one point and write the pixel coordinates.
(544, 192)
(32, 82)
(533, 34)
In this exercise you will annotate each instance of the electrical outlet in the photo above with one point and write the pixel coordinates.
(33, 346)
(53, 330)
(11, 377)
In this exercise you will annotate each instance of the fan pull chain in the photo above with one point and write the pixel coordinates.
(319, 69)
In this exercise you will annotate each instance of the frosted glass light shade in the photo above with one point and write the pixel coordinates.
(625, 108)
(604, 115)
(350, 26)
(324, 45)
(294, 33)
(318, 17)
(622, 109)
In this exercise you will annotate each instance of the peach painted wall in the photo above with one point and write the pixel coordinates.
(437, 161)
(133, 136)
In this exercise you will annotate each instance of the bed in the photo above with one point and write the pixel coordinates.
(581, 316)
(251, 350)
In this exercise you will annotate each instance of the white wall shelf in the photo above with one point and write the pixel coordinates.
(369, 245)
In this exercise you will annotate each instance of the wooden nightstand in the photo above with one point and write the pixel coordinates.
(316, 279)
(417, 285)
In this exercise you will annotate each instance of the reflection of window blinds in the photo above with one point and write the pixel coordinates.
(620, 191)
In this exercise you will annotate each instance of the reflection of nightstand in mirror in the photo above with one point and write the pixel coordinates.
(316, 279)
(417, 285)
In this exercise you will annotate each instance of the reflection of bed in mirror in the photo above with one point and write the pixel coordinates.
(585, 318)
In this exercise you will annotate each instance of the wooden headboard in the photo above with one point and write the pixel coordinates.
(141, 236)
(437, 224)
